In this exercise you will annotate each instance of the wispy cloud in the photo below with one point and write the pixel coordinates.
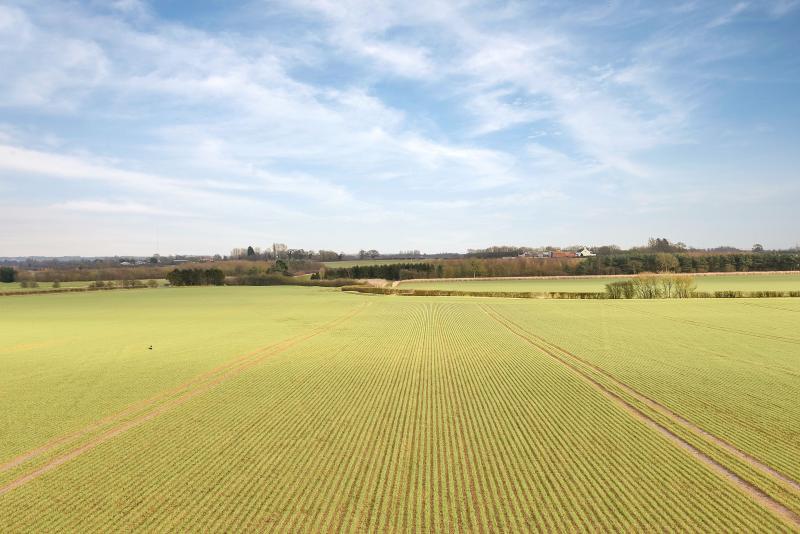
(25, 161)
(282, 118)
(121, 207)
(729, 15)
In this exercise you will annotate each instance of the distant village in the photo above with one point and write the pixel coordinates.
(582, 253)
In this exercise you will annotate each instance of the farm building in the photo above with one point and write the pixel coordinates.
(585, 253)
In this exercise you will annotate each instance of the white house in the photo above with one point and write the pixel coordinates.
(585, 253)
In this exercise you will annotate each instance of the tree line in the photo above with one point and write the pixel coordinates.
(634, 263)
(196, 277)
(146, 272)
(628, 263)
(392, 271)
(8, 275)
(280, 251)
(625, 263)
(458, 268)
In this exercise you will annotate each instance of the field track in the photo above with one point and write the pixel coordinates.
(544, 344)
(311, 410)
(769, 307)
(203, 383)
(751, 490)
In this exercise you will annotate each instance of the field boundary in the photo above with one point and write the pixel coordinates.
(397, 283)
(207, 381)
(750, 489)
(64, 290)
(456, 293)
(558, 295)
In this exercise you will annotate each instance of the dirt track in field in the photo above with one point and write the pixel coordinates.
(663, 410)
(128, 411)
(752, 491)
(375, 282)
(229, 370)
(768, 307)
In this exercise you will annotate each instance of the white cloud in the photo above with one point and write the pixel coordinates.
(22, 160)
(45, 69)
(779, 8)
(729, 15)
(511, 77)
(353, 111)
(495, 112)
(360, 28)
(404, 60)
(112, 207)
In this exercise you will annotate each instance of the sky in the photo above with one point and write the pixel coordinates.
(131, 127)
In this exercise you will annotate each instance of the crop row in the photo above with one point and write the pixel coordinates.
(411, 416)
(731, 371)
(773, 489)
(32, 464)
(67, 361)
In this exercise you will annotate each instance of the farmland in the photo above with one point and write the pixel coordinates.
(308, 409)
(738, 282)
(16, 286)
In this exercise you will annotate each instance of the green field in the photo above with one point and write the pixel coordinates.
(16, 286)
(310, 410)
(749, 282)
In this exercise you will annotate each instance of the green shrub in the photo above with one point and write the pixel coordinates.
(728, 294)
(8, 275)
(196, 277)
(648, 286)
(767, 294)
(624, 289)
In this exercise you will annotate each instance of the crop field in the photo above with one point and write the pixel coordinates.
(289, 409)
(743, 282)
(16, 286)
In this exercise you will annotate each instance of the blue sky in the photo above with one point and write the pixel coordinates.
(128, 127)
